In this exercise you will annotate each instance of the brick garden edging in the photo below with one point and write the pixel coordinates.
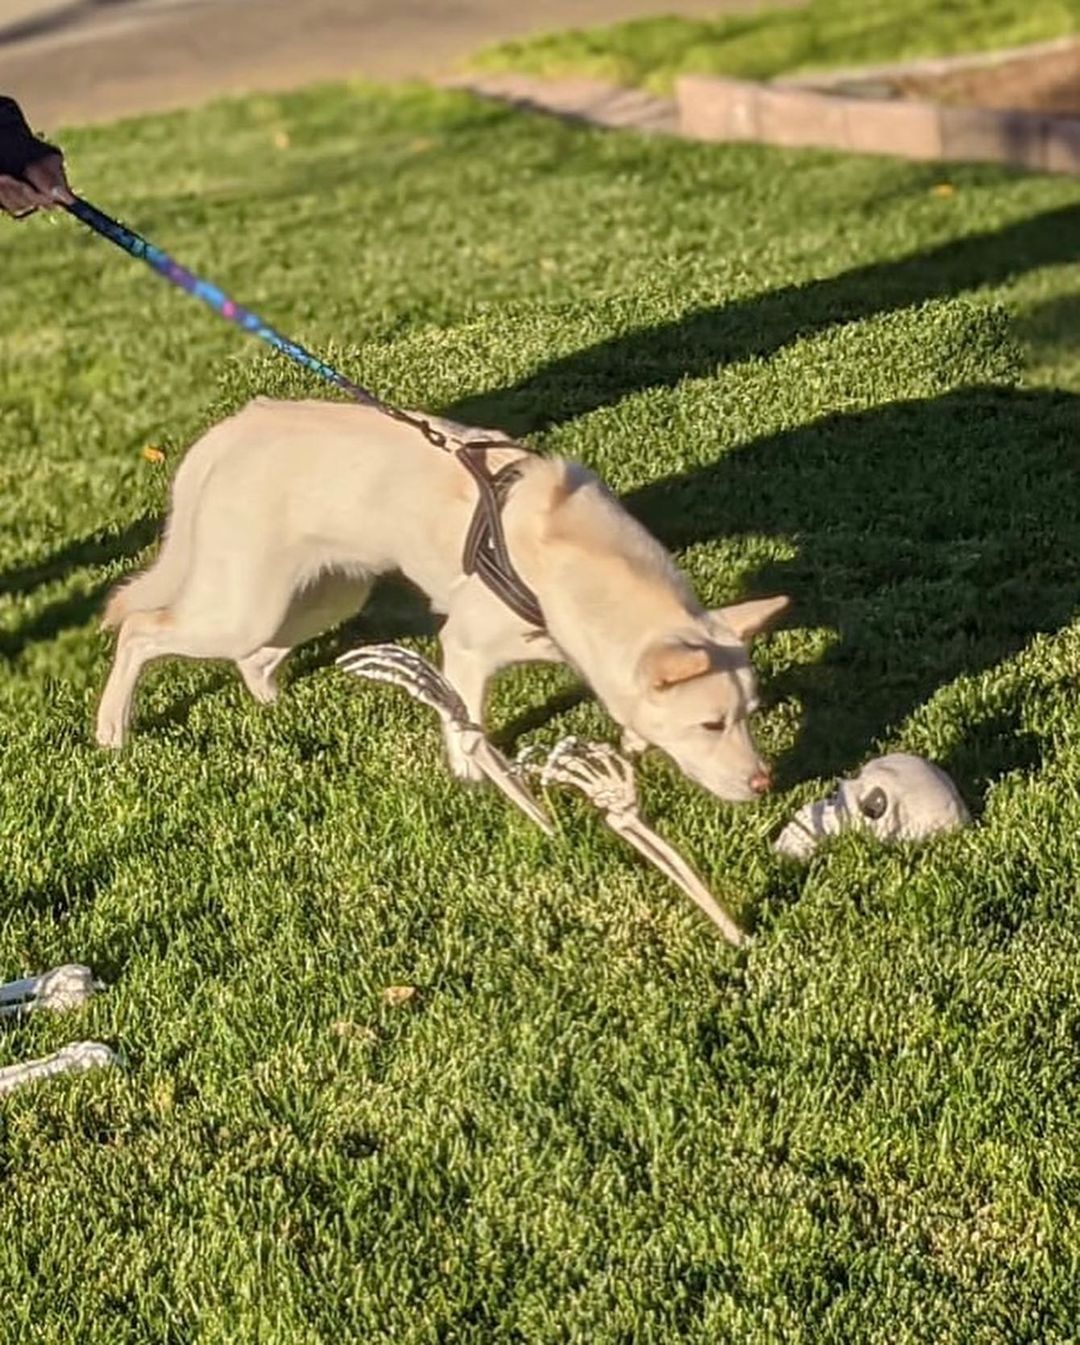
(589, 100)
(775, 114)
(815, 111)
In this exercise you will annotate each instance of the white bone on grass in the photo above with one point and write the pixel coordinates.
(82, 1055)
(65, 987)
(607, 780)
(424, 682)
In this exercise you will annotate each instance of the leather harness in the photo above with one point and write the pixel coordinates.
(485, 551)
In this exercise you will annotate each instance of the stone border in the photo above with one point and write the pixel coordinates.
(853, 76)
(773, 114)
(813, 112)
(588, 100)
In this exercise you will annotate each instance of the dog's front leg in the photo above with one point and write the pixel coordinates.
(633, 744)
(468, 672)
(482, 635)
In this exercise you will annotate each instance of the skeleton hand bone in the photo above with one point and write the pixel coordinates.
(83, 1055)
(607, 780)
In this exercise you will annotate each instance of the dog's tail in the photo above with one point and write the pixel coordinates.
(160, 585)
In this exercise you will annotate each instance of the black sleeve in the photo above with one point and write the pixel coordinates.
(19, 147)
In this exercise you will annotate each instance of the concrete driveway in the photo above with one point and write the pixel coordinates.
(77, 61)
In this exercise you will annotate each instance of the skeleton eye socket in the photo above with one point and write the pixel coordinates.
(873, 805)
(715, 725)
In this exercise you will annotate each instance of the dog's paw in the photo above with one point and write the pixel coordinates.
(468, 772)
(632, 744)
(258, 671)
(110, 732)
(462, 767)
(262, 689)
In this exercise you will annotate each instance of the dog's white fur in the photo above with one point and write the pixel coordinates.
(284, 514)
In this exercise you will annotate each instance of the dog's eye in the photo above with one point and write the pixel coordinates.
(715, 725)
(873, 805)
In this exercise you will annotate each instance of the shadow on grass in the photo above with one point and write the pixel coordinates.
(97, 548)
(692, 346)
(695, 344)
(936, 536)
(65, 614)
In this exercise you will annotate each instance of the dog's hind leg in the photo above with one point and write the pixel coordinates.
(314, 608)
(220, 615)
(143, 636)
(258, 671)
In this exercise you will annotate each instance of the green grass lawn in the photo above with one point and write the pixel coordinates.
(812, 36)
(594, 1122)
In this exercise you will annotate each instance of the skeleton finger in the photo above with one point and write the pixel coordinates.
(597, 770)
(81, 1056)
(499, 771)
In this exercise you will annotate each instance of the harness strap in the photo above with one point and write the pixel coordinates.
(485, 551)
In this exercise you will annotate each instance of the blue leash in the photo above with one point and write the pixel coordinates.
(171, 270)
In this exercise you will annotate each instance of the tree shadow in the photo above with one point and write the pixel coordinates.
(927, 530)
(660, 356)
(696, 343)
(989, 749)
(506, 738)
(75, 610)
(96, 548)
(935, 536)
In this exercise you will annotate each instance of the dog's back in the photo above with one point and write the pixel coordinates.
(330, 478)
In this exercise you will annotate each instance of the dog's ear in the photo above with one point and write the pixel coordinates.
(750, 618)
(666, 664)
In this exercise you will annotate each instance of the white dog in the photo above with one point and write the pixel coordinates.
(283, 516)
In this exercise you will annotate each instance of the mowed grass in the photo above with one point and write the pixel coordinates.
(593, 1121)
(814, 35)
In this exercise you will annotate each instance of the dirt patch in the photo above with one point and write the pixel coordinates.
(1045, 82)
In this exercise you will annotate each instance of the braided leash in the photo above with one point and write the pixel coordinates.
(214, 297)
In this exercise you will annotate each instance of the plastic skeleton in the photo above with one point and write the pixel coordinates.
(897, 798)
(401, 667)
(83, 1055)
(606, 779)
(602, 775)
(62, 988)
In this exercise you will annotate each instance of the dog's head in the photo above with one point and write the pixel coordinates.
(697, 693)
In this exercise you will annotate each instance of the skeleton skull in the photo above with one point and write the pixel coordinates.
(897, 797)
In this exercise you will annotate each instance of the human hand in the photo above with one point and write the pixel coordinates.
(43, 187)
(31, 170)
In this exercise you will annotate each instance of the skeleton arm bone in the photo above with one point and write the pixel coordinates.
(62, 988)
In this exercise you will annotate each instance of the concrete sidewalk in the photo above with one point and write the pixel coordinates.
(78, 61)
